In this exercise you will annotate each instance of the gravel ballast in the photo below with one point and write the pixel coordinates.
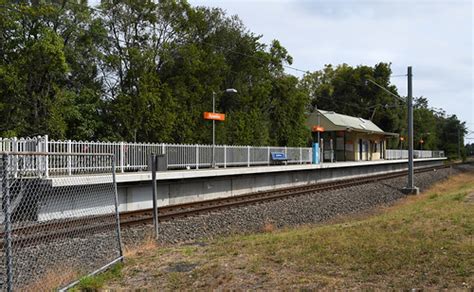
(311, 208)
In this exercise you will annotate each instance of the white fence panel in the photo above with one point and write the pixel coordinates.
(392, 154)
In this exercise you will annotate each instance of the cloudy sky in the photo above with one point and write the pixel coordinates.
(435, 37)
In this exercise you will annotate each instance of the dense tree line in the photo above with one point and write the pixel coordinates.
(147, 70)
(470, 149)
(347, 89)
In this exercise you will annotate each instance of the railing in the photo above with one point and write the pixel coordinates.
(134, 156)
(392, 154)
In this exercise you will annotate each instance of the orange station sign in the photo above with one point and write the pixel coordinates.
(317, 129)
(214, 116)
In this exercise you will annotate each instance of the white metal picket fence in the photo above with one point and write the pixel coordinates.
(134, 156)
(392, 154)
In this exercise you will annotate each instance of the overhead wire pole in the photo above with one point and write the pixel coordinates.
(410, 188)
(459, 143)
(411, 183)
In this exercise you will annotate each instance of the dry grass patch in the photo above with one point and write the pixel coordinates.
(53, 279)
(268, 227)
(423, 241)
(132, 250)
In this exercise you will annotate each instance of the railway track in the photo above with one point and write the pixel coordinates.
(34, 233)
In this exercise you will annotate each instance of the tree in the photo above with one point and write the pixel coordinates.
(147, 70)
(48, 69)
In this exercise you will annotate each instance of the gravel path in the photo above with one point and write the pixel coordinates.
(311, 208)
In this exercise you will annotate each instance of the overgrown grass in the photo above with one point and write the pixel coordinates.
(424, 241)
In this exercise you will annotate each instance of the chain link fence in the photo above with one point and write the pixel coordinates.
(52, 235)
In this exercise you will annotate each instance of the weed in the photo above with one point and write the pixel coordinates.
(175, 280)
(96, 282)
(433, 196)
(459, 197)
(148, 243)
(188, 250)
(268, 227)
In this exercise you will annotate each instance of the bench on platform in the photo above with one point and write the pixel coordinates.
(279, 157)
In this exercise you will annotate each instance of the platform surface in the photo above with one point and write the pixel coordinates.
(131, 177)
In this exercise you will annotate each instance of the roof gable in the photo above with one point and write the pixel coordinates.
(350, 122)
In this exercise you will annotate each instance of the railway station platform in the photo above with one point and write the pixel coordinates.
(182, 186)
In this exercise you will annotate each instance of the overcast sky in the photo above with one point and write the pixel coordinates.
(435, 37)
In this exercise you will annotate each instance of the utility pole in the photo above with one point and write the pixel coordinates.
(459, 143)
(411, 189)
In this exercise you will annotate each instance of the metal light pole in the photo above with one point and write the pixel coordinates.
(228, 90)
(213, 164)
(319, 136)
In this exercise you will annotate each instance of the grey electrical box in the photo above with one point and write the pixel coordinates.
(162, 162)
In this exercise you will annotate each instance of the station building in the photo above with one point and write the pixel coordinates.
(347, 138)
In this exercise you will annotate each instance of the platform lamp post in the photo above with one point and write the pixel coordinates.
(228, 90)
(424, 135)
(318, 130)
(401, 146)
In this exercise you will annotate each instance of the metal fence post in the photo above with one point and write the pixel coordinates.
(117, 214)
(122, 157)
(8, 228)
(197, 156)
(163, 151)
(153, 162)
(14, 144)
(46, 159)
(268, 154)
(321, 152)
(15, 158)
(248, 156)
(225, 156)
(301, 155)
(69, 150)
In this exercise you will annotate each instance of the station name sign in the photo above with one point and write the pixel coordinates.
(214, 116)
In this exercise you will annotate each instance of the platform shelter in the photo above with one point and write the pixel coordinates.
(348, 138)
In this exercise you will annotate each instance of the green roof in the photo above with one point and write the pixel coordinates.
(333, 121)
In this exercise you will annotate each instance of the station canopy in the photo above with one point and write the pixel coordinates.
(332, 121)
